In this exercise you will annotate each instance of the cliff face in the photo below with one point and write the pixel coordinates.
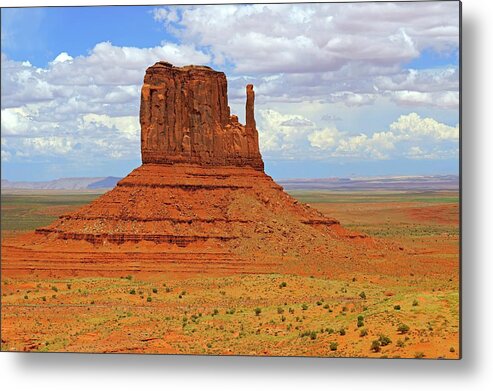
(185, 118)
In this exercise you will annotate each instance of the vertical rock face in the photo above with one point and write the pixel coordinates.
(185, 118)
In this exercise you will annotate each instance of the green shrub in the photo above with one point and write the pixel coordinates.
(280, 310)
(403, 328)
(363, 333)
(319, 302)
(384, 340)
(415, 303)
(304, 307)
(215, 312)
(397, 307)
(400, 343)
(342, 331)
(326, 306)
(132, 292)
(257, 311)
(149, 299)
(375, 345)
(362, 295)
(283, 284)
(333, 346)
(43, 298)
(154, 290)
(69, 286)
(54, 288)
(452, 349)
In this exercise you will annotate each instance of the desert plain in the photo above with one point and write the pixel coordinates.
(397, 299)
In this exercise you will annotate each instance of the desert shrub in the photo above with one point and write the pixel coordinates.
(333, 346)
(360, 321)
(403, 328)
(362, 295)
(304, 307)
(279, 310)
(329, 331)
(313, 335)
(363, 333)
(375, 345)
(319, 302)
(400, 343)
(69, 286)
(384, 340)
(26, 297)
(397, 307)
(43, 298)
(283, 318)
(342, 331)
(257, 311)
(215, 312)
(54, 288)
(415, 303)
(129, 277)
(326, 306)
(283, 284)
(183, 293)
(154, 290)
(419, 355)
(149, 299)
(168, 289)
(452, 349)
(132, 292)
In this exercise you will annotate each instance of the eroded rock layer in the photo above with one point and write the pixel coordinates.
(200, 203)
(185, 118)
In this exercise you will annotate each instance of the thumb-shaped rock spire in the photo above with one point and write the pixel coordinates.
(250, 103)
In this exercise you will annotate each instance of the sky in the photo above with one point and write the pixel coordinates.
(342, 90)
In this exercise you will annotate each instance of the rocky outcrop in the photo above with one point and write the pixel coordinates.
(185, 118)
(200, 202)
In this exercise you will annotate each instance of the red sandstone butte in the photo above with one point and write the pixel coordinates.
(185, 118)
(200, 202)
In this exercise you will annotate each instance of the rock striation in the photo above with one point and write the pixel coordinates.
(185, 118)
(200, 203)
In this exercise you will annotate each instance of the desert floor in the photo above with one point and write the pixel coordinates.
(386, 310)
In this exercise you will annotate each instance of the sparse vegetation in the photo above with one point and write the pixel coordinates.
(403, 328)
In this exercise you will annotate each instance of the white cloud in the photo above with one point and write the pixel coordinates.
(62, 57)
(297, 38)
(324, 139)
(413, 126)
(409, 136)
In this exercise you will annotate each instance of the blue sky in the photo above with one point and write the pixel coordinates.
(336, 96)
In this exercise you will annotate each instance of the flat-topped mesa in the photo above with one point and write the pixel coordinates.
(185, 118)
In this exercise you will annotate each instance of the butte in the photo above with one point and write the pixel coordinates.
(200, 203)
